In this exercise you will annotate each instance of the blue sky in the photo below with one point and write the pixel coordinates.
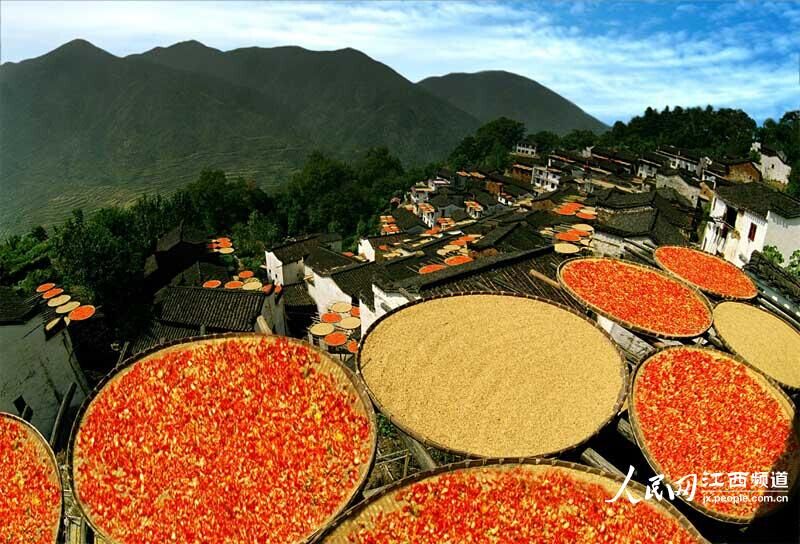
(611, 58)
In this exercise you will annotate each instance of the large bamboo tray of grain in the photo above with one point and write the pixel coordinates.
(234, 438)
(762, 339)
(493, 375)
(492, 501)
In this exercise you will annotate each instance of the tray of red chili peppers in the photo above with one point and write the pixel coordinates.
(234, 438)
(709, 273)
(638, 297)
(495, 501)
(718, 429)
(30, 484)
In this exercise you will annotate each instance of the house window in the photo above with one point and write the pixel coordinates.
(752, 234)
(23, 408)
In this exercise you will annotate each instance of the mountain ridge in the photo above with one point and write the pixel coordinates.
(84, 127)
(490, 94)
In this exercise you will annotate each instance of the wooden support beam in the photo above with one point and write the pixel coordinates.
(421, 455)
(594, 459)
(626, 431)
(539, 276)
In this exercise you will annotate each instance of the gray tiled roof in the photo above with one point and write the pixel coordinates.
(322, 260)
(760, 199)
(181, 233)
(296, 294)
(159, 333)
(356, 280)
(14, 308)
(297, 248)
(219, 309)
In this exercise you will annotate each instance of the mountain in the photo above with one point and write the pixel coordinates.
(342, 100)
(492, 94)
(80, 127)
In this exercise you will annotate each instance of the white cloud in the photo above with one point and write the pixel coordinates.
(613, 70)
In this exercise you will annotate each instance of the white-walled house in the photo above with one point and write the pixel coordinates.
(371, 246)
(383, 302)
(772, 164)
(351, 283)
(547, 177)
(682, 182)
(748, 217)
(681, 158)
(648, 165)
(526, 149)
(284, 263)
(36, 368)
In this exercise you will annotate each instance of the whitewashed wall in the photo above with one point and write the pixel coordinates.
(326, 292)
(784, 234)
(365, 248)
(774, 168)
(738, 251)
(684, 189)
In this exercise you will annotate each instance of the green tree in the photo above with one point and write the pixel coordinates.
(794, 264)
(579, 139)
(488, 146)
(546, 141)
(793, 188)
(97, 255)
(772, 254)
(38, 233)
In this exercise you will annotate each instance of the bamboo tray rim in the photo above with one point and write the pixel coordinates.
(123, 367)
(631, 326)
(769, 385)
(505, 463)
(717, 294)
(35, 435)
(620, 401)
(750, 304)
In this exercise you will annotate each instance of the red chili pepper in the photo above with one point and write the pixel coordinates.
(30, 496)
(640, 296)
(515, 506)
(231, 442)
(700, 411)
(706, 271)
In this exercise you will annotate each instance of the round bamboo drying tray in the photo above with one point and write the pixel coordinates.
(321, 329)
(773, 347)
(769, 387)
(627, 324)
(68, 307)
(566, 248)
(45, 453)
(45, 287)
(472, 410)
(715, 292)
(341, 307)
(349, 323)
(386, 501)
(345, 378)
(60, 300)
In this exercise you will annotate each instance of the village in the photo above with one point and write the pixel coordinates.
(459, 232)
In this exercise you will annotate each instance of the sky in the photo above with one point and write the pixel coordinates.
(613, 59)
